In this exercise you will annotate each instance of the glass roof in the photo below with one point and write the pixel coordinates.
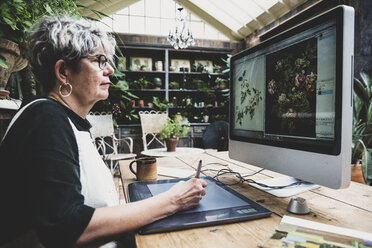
(207, 19)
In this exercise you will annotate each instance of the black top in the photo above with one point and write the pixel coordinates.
(40, 177)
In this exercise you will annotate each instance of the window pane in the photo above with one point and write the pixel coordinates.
(121, 24)
(152, 26)
(168, 9)
(136, 25)
(210, 33)
(152, 8)
(137, 8)
(105, 24)
(197, 29)
(167, 25)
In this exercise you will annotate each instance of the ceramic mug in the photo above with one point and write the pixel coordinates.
(146, 168)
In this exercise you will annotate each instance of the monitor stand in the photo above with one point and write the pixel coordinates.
(282, 181)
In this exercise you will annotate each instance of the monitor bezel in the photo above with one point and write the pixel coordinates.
(331, 147)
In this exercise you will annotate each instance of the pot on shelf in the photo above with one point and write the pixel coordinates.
(357, 173)
(10, 51)
(171, 144)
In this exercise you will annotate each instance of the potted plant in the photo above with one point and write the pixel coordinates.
(362, 127)
(174, 85)
(198, 67)
(158, 104)
(171, 131)
(140, 84)
(217, 68)
(157, 82)
(221, 83)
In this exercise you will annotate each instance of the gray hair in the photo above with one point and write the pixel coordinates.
(67, 38)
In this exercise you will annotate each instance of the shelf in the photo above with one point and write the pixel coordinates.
(144, 72)
(199, 91)
(180, 73)
(193, 124)
(163, 47)
(146, 90)
(167, 54)
(180, 90)
(193, 107)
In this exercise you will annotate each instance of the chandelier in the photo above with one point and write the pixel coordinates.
(181, 37)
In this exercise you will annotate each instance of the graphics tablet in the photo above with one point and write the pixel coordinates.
(220, 205)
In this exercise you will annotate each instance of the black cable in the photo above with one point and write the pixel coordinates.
(242, 179)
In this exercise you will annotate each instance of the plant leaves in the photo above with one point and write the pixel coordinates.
(3, 62)
(48, 9)
(367, 166)
(360, 89)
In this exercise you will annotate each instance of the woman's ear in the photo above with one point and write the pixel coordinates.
(60, 71)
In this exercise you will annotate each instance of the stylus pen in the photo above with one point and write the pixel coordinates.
(198, 170)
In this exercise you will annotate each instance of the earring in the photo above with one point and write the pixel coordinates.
(60, 92)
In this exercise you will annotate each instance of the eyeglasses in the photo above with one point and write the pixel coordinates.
(100, 58)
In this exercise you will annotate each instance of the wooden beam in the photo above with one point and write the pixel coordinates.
(231, 34)
(106, 6)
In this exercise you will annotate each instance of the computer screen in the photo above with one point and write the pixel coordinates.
(291, 101)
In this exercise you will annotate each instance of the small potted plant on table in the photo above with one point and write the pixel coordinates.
(171, 131)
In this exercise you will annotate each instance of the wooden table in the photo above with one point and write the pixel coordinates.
(180, 152)
(350, 207)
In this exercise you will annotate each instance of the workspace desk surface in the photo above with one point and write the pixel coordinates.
(350, 207)
(180, 152)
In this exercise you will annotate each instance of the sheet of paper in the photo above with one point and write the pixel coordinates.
(326, 228)
(175, 172)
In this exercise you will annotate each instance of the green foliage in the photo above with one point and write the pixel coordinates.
(198, 67)
(158, 104)
(199, 84)
(217, 68)
(173, 129)
(3, 62)
(174, 85)
(362, 124)
(119, 101)
(226, 67)
(221, 83)
(18, 15)
(141, 83)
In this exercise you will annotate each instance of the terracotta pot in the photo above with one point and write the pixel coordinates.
(171, 144)
(222, 85)
(357, 173)
(141, 103)
(10, 51)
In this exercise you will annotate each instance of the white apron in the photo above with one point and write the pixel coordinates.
(98, 187)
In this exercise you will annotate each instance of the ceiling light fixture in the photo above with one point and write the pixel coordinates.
(181, 37)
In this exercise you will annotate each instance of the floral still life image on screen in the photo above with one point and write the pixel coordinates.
(291, 76)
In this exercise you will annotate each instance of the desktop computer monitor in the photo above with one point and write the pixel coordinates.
(291, 101)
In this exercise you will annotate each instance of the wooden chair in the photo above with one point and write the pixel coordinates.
(151, 122)
(103, 135)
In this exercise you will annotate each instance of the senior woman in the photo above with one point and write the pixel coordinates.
(56, 191)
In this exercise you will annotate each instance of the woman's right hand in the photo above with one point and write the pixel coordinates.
(187, 194)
